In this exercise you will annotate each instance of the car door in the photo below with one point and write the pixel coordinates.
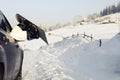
(17, 55)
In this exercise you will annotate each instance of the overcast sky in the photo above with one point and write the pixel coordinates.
(51, 11)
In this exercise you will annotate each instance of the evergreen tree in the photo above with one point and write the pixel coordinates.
(110, 9)
(118, 7)
(113, 9)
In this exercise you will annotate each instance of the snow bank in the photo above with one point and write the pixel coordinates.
(91, 62)
(40, 65)
(72, 57)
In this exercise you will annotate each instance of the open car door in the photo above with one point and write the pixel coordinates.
(33, 31)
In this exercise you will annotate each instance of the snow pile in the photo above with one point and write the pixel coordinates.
(40, 65)
(74, 59)
(91, 62)
(44, 63)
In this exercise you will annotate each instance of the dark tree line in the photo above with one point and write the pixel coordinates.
(110, 10)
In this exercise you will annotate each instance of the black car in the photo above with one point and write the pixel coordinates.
(11, 55)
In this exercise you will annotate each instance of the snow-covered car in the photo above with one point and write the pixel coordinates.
(11, 55)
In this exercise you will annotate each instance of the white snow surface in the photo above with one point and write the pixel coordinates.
(69, 56)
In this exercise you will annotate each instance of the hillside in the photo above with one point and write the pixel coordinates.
(112, 18)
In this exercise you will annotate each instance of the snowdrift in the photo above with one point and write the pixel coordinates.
(74, 59)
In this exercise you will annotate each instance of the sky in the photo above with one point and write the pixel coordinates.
(50, 12)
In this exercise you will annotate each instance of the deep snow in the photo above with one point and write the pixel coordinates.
(74, 57)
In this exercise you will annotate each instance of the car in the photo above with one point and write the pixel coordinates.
(11, 55)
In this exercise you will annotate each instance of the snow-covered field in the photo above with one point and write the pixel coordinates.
(69, 56)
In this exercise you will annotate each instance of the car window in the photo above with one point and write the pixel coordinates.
(4, 24)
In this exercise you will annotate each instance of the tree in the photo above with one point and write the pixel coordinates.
(110, 9)
(118, 7)
(77, 19)
(93, 16)
(44, 27)
(113, 9)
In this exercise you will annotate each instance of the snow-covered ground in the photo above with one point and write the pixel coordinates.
(69, 56)
(104, 31)
(112, 18)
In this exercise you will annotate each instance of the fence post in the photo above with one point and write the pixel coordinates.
(100, 42)
(84, 35)
(91, 37)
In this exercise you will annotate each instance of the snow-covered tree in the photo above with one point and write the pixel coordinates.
(93, 16)
(77, 19)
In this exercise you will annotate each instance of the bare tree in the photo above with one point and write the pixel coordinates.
(77, 19)
(93, 16)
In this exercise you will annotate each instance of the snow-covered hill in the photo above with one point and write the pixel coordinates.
(71, 57)
(112, 18)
